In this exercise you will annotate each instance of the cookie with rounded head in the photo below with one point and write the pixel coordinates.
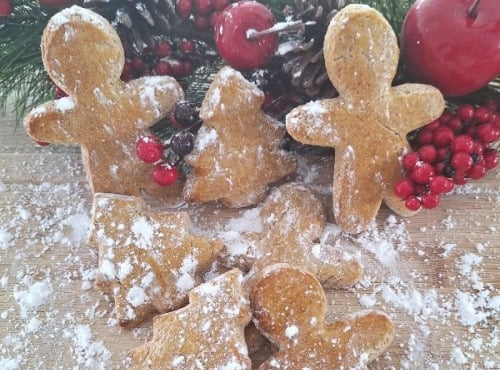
(293, 220)
(208, 333)
(105, 116)
(237, 149)
(289, 308)
(149, 260)
(368, 123)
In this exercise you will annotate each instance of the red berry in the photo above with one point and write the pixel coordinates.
(412, 203)
(409, 160)
(220, 5)
(481, 114)
(404, 188)
(462, 143)
(446, 116)
(162, 48)
(440, 185)
(149, 149)
(478, 148)
(460, 180)
(430, 201)
(427, 153)
(433, 125)
(203, 7)
(443, 135)
(187, 46)
(60, 93)
(455, 124)
(461, 161)
(465, 112)
(490, 158)
(137, 63)
(128, 72)
(439, 168)
(442, 153)
(176, 68)
(184, 8)
(42, 143)
(422, 172)
(425, 136)
(487, 133)
(6, 8)
(231, 35)
(187, 68)
(477, 171)
(201, 22)
(162, 68)
(164, 174)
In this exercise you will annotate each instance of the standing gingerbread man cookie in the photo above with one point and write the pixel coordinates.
(84, 56)
(368, 123)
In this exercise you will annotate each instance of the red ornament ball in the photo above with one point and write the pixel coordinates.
(233, 38)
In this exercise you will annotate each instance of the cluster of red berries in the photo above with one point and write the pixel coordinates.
(449, 151)
(167, 57)
(166, 155)
(203, 13)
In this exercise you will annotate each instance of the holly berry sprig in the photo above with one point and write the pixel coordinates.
(449, 151)
(166, 155)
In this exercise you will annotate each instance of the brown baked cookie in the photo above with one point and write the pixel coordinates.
(237, 149)
(293, 221)
(289, 308)
(367, 124)
(206, 334)
(149, 260)
(84, 56)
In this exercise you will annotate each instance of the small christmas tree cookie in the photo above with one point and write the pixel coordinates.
(367, 124)
(237, 150)
(206, 334)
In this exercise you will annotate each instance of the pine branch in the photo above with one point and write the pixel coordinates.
(22, 76)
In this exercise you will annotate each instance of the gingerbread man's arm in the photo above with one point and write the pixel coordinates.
(316, 122)
(52, 122)
(413, 106)
(157, 97)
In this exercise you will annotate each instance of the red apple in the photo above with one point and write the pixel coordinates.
(232, 33)
(452, 44)
(6, 8)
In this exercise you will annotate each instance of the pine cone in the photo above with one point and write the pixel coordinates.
(302, 52)
(137, 22)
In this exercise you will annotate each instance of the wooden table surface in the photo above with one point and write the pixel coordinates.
(436, 274)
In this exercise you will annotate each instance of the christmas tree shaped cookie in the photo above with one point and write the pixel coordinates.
(367, 124)
(148, 260)
(237, 149)
(289, 308)
(206, 334)
(83, 55)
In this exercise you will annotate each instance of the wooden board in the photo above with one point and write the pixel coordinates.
(436, 274)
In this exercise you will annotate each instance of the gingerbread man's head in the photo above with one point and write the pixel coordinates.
(69, 39)
(366, 41)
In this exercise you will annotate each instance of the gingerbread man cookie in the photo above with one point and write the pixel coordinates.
(293, 220)
(84, 56)
(148, 260)
(206, 334)
(367, 124)
(237, 149)
(289, 308)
